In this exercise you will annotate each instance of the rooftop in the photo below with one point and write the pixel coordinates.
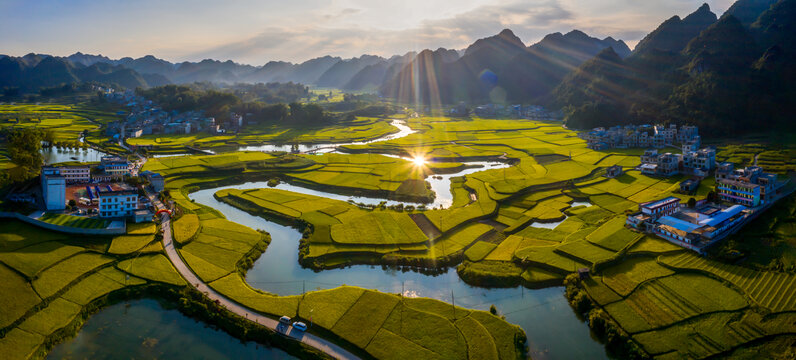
(743, 184)
(723, 215)
(661, 202)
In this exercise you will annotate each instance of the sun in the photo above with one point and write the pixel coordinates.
(419, 160)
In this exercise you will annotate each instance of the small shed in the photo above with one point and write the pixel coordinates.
(687, 186)
(583, 273)
(613, 171)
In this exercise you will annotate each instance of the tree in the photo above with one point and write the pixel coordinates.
(712, 196)
(72, 203)
(692, 203)
(23, 149)
(48, 136)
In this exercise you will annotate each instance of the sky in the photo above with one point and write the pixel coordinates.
(257, 31)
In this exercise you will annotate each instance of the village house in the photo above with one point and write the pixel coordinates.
(155, 180)
(613, 171)
(689, 185)
(117, 201)
(633, 136)
(699, 163)
(749, 186)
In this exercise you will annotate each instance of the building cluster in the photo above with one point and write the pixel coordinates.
(100, 188)
(697, 163)
(742, 195)
(146, 118)
(640, 136)
(532, 112)
(749, 186)
(693, 228)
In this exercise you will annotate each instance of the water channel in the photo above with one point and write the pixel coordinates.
(403, 130)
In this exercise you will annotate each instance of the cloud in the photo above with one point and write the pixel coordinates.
(342, 14)
(352, 31)
(298, 43)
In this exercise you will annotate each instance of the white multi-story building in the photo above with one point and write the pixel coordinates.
(53, 189)
(699, 162)
(668, 164)
(114, 166)
(72, 174)
(686, 133)
(116, 201)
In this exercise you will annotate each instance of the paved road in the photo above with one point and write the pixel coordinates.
(309, 339)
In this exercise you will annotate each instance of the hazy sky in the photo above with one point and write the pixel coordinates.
(256, 31)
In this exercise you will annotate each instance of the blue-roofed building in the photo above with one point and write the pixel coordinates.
(692, 228)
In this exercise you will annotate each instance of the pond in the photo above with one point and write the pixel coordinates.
(554, 330)
(54, 155)
(553, 225)
(143, 329)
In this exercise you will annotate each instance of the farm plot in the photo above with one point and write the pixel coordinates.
(58, 276)
(455, 242)
(32, 259)
(584, 251)
(79, 222)
(612, 203)
(627, 275)
(613, 235)
(185, 228)
(707, 335)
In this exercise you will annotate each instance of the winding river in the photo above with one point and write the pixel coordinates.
(554, 330)
(403, 130)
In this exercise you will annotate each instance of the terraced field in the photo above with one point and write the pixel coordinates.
(49, 277)
(67, 121)
(80, 222)
(359, 129)
(771, 290)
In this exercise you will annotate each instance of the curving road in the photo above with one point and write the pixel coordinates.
(316, 342)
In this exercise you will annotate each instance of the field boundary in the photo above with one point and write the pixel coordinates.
(64, 229)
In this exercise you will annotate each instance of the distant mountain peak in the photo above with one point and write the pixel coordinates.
(577, 34)
(507, 33)
(747, 11)
(505, 40)
(608, 54)
(701, 15)
(674, 34)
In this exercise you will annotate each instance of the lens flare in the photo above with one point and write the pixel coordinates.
(419, 160)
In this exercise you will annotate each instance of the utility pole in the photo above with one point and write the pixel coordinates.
(401, 327)
(453, 302)
(442, 233)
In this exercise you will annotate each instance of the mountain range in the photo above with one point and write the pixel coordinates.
(725, 73)
(561, 52)
(728, 75)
